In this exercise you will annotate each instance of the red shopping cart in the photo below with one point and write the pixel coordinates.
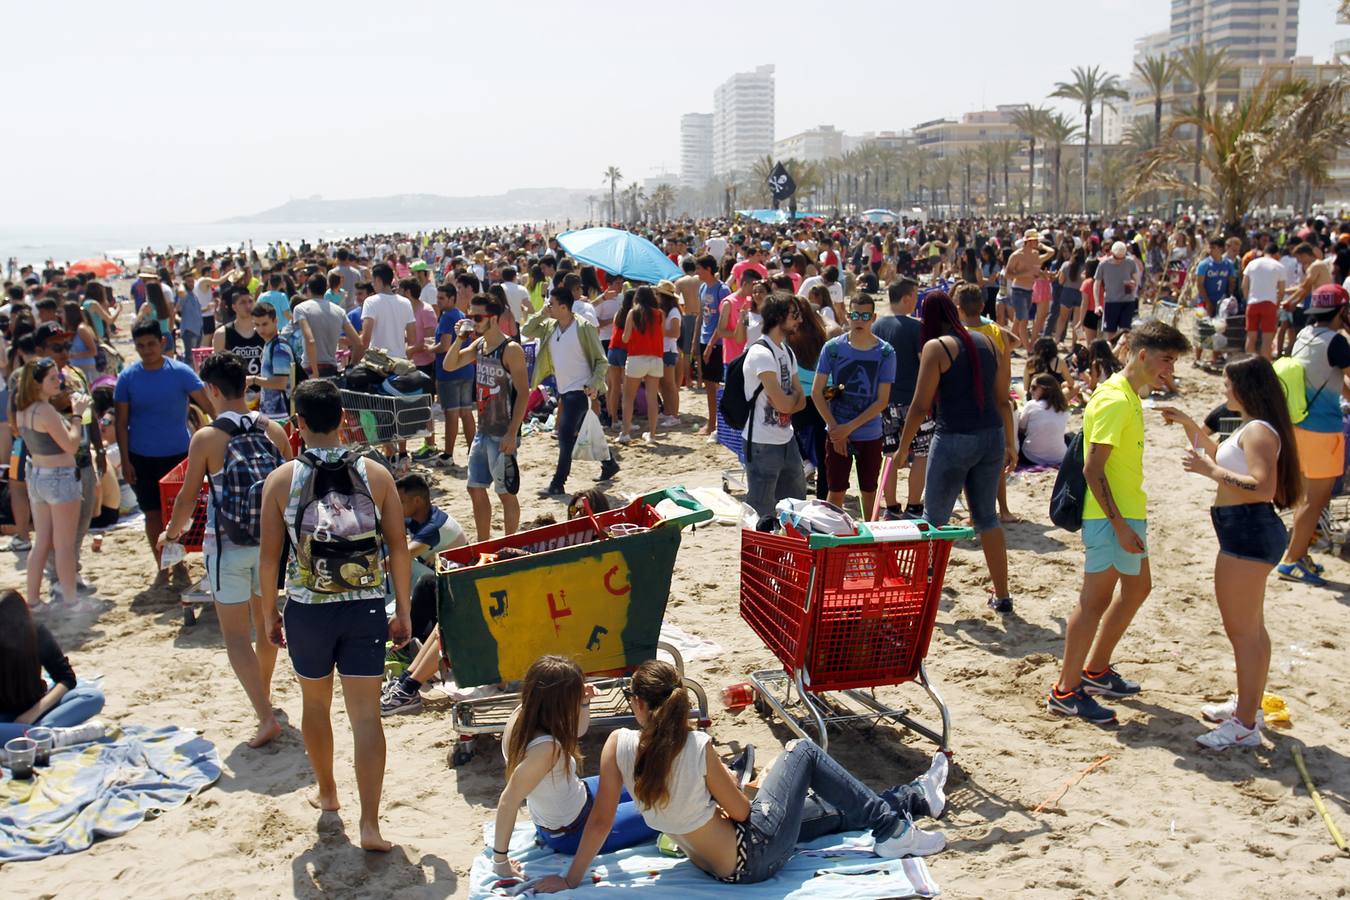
(845, 615)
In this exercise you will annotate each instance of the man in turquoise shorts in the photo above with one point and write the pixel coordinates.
(1114, 527)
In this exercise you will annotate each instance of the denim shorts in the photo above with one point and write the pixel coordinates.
(483, 455)
(455, 394)
(232, 573)
(969, 461)
(1102, 549)
(670, 358)
(1020, 301)
(348, 634)
(617, 356)
(1250, 531)
(53, 484)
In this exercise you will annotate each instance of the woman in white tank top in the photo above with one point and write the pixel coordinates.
(1257, 469)
(540, 746)
(681, 788)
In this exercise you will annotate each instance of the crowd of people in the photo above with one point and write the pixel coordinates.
(962, 350)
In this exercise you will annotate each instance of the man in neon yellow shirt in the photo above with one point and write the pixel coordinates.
(1115, 515)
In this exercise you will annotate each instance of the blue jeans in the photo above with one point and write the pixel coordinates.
(969, 460)
(773, 472)
(76, 707)
(779, 813)
(572, 407)
(628, 829)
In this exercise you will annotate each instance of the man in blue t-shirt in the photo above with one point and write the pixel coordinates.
(711, 293)
(1217, 275)
(905, 335)
(859, 370)
(151, 404)
(454, 390)
(276, 298)
(278, 366)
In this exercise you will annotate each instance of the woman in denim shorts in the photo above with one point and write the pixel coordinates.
(1257, 469)
(53, 480)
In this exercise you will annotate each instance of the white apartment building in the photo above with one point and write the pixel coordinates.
(743, 109)
(813, 145)
(696, 150)
(1251, 30)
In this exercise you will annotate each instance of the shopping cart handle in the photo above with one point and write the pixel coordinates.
(892, 532)
(697, 512)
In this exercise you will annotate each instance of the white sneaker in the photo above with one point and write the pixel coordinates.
(910, 841)
(1222, 712)
(1231, 733)
(624, 438)
(669, 422)
(92, 730)
(932, 783)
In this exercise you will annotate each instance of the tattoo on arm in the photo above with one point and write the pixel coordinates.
(1109, 507)
(1235, 481)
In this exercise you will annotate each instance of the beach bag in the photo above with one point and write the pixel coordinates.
(1070, 491)
(250, 456)
(337, 527)
(808, 517)
(733, 405)
(591, 445)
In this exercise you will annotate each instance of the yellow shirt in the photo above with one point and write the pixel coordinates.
(1115, 416)
(992, 331)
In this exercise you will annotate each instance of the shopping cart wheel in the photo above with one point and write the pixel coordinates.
(462, 753)
(761, 706)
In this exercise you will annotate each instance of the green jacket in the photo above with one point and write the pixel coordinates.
(541, 326)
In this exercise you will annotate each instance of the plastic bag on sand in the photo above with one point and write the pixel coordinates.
(808, 517)
(591, 444)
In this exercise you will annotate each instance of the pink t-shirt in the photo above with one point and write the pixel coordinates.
(732, 348)
(740, 267)
(424, 319)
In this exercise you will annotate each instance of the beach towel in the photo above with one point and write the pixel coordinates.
(102, 789)
(835, 867)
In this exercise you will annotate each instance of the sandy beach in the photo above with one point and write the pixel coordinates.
(1158, 818)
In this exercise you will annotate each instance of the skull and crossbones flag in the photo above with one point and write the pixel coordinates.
(781, 184)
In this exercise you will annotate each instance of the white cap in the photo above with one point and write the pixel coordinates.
(1118, 249)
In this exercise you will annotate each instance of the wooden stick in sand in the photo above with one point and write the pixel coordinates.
(1317, 801)
(1050, 801)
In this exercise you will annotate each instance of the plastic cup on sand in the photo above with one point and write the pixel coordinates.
(45, 739)
(22, 752)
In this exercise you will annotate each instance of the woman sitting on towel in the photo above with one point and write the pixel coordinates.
(540, 746)
(26, 699)
(681, 788)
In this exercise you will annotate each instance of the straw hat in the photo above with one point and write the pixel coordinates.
(665, 287)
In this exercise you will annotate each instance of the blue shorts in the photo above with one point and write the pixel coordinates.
(670, 358)
(455, 394)
(617, 356)
(1020, 301)
(1118, 316)
(348, 634)
(969, 461)
(686, 339)
(233, 573)
(1103, 551)
(1250, 531)
(483, 455)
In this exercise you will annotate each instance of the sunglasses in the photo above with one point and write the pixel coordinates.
(628, 694)
(858, 316)
(479, 317)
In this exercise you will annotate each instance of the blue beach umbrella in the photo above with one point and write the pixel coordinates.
(620, 253)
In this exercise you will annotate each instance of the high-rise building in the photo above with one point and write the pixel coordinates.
(696, 150)
(1251, 31)
(813, 145)
(743, 120)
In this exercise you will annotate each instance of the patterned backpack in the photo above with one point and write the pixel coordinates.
(337, 527)
(250, 456)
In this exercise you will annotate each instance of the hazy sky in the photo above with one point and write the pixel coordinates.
(140, 112)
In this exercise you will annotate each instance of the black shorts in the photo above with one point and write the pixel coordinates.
(712, 363)
(424, 607)
(348, 634)
(1092, 320)
(1118, 316)
(149, 470)
(208, 326)
(893, 425)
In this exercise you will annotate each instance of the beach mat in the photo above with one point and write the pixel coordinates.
(102, 789)
(835, 867)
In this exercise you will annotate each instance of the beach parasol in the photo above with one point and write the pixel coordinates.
(620, 253)
(102, 268)
(880, 216)
(766, 216)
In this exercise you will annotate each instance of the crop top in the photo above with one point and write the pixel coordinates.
(690, 805)
(559, 798)
(1230, 455)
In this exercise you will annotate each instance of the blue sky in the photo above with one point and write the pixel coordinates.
(142, 112)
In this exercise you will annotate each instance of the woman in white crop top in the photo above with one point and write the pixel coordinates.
(1257, 469)
(682, 788)
(540, 746)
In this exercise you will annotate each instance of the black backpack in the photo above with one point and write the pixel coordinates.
(1070, 491)
(733, 405)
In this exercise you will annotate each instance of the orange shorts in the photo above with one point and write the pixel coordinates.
(1261, 317)
(1320, 454)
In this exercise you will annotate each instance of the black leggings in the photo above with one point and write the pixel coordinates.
(424, 607)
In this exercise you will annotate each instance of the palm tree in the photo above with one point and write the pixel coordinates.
(989, 157)
(661, 200)
(1157, 74)
(967, 157)
(944, 175)
(1203, 68)
(1007, 152)
(1088, 86)
(634, 197)
(1058, 131)
(1032, 122)
(1252, 147)
(614, 176)
(591, 200)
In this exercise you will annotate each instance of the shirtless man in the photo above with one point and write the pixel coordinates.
(1024, 265)
(687, 287)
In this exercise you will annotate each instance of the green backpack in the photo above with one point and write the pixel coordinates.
(1290, 373)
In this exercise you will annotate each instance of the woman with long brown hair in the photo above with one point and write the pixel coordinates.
(542, 749)
(644, 339)
(1257, 470)
(683, 789)
(27, 649)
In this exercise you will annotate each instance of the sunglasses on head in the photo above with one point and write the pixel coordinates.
(855, 315)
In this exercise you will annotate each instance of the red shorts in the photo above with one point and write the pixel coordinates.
(838, 468)
(1261, 317)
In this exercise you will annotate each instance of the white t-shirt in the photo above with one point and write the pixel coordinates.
(607, 309)
(836, 289)
(716, 246)
(1263, 274)
(392, 315)
(204, 300)
(754, 327)
(771, 426)
(428, 294)
(584, 309)
(1044, 427)
(518, 300)
(569, 362)
(671, 344)
(1293, 272)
